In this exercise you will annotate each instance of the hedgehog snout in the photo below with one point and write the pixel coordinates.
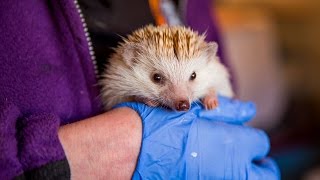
(182, 105)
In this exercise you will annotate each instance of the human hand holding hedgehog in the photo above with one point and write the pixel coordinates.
(200, 144)
(165, 66)
(174, 68)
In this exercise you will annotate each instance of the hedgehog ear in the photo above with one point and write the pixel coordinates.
(129, 53)
(212, 49)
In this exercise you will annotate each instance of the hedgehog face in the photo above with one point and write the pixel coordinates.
(170, 82)
(178, 82)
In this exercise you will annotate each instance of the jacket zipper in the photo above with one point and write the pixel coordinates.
(87, 34)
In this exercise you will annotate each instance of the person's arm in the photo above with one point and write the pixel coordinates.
(103, 147)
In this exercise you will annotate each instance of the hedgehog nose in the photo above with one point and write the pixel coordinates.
(182, 105)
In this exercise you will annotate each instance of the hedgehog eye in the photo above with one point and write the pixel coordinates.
(193, 76)
(158, 78)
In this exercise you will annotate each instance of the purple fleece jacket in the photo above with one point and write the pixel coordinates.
(46, 80)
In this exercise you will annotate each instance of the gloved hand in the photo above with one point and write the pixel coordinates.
(199, 144)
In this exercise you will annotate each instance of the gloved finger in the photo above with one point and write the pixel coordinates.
(264, 169)
(252, 143)
(230, 111)
(256, 141)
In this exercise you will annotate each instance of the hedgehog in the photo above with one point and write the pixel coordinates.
(165, 66)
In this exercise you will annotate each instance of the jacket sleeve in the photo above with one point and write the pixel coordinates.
(30, 148)
(41, 154)
(10, 165)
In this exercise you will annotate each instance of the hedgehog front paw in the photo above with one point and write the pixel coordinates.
(210, 102)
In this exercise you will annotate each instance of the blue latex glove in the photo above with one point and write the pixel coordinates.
(199, 144)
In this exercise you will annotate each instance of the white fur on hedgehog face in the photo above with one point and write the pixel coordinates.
(176, 84)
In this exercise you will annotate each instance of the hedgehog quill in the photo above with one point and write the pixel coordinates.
(165, 66)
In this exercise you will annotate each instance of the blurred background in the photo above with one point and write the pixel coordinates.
(272, 48)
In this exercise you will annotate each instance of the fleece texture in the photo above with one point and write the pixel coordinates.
(10, 165)
(47, 79)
